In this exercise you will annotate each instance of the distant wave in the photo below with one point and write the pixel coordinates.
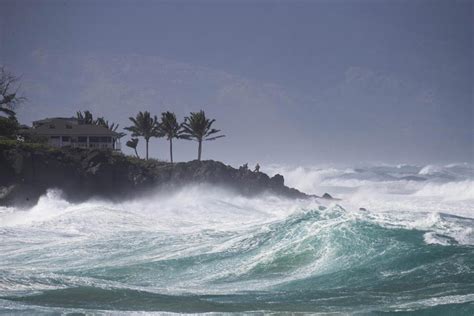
(448, 188)
(451, 191)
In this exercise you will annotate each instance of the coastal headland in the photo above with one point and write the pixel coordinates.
(27, 171)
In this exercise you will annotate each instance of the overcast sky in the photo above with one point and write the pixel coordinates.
(300, 82)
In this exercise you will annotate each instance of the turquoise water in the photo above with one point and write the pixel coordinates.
(204, 250)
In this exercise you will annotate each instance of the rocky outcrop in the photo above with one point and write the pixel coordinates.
(27, 171)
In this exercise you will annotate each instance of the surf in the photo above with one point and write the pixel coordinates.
(204, 249)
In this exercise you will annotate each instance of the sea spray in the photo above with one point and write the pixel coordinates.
(204, 249)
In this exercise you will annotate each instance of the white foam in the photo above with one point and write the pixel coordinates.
(191, 208)
(432, 238)
(390, 188)
(49, 206)
(435, 301)
(451, 191)
(430, 169)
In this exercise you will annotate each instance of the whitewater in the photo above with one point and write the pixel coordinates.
(399, 241)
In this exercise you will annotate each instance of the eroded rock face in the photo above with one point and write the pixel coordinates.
(26, 172)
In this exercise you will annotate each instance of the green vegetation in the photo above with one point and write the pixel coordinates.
(150, 163)
(32, 138)
(197, 127)
(8, 127)
(11, 143)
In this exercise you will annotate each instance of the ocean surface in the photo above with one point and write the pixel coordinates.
(401, 241)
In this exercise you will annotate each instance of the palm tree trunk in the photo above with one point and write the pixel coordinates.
(136, 152)
(147, 139)
(171, 150)
(199, 149)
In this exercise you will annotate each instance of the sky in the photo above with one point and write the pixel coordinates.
(293, 82)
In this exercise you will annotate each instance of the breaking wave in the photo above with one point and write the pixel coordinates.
(396, 242)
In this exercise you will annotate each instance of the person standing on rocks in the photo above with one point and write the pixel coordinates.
(257, 168)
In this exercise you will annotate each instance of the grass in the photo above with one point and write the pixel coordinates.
(148, 163)
(10, 144)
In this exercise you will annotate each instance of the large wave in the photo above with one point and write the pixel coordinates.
(204, 249)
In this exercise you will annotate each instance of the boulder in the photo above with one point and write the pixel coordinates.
(327, 196)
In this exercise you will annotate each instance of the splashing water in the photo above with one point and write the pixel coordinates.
(203, 249)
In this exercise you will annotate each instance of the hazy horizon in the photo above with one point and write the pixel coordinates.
(316, 82)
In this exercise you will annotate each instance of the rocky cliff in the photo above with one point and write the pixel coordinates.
(27, 171)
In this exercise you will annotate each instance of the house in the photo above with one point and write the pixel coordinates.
(69, 131)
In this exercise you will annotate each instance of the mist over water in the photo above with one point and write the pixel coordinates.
(431, 188)
(204, 249)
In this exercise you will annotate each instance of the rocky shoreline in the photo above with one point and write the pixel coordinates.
(27, 171)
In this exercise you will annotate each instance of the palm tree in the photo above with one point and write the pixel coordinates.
(133, 143)
(170, 128)
(145, 126)
(85, 118)
(113, 127)
(197, 127)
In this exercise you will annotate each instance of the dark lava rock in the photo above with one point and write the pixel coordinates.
(327, 196)
(28, 171)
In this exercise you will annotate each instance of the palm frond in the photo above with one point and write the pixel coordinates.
(197, 127)
(214, 138)
(132, 143)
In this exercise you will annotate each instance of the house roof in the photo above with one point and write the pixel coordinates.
(63, 127)
(50, 119)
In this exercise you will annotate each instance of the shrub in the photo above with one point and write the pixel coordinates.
(33, 138)
(8, 127)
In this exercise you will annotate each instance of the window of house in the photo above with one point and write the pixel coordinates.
(82, 139)
(54, 137)
(66, 139)
(94, 139)
(52, 126)
(68, 126)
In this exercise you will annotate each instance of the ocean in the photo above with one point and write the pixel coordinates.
(399, 242)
